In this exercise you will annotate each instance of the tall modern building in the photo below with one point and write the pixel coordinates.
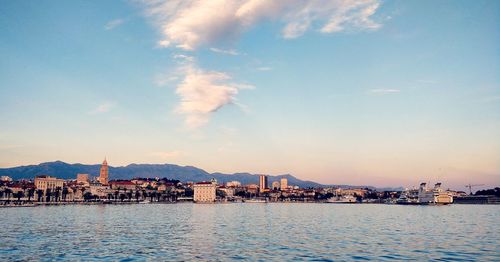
(284, 184)
(263, 183)
(104, 174)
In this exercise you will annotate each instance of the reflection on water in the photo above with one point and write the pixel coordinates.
(251, 231)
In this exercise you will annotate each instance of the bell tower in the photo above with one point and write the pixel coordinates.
(103, 176)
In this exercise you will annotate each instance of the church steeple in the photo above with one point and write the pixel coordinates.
(104, 175)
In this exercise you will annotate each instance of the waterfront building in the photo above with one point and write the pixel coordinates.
(228, 191)
(275, 185)
(122, 185)
(83, 179)
(5, 179)
(104, 173)
(204, 192)
(48, 182)
(233, 184)
(97, 189)
(351, 192)
(263, 183)
(283, 184)
(252, 189)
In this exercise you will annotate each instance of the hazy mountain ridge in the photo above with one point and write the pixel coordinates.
(183, 173)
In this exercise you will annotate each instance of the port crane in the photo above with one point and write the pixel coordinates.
(469, 186)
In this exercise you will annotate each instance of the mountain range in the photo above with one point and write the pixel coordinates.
(183, 173)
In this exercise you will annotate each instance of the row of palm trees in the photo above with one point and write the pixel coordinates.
(60, 194)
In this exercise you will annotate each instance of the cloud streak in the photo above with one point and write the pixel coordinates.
(189, 24)
(384, 91)
(203, 93)
(167, 154)
(103, 108)
(226, 52)
(113, 24)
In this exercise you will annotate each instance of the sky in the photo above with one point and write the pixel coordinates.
(384, 93)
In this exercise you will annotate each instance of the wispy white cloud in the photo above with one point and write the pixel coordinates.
(189, 24)
(426, 81)
(226, 52)
(264, 68)
(167, 154)
(384, 91)
(103, 108)
(183, 57)
(113, 24)
(204, 92)
(164, 79)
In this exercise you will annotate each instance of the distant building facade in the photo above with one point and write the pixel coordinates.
(233, 184)
(104, 173)
(83, 179)
(263, 183)
(48, 182)
(275, 185)
(283, 184)
(123, 185)
(5, 179)
(204, 192)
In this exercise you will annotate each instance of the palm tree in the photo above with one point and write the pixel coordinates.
(31, 193)
(65, 192)
(87, 196)
(39, 194)
(57, 193)
(83, 191)
(8, 192)
(48, 193)
(19, 195)
(122, 197)
(129, 195)
(137, 195)
(152, 195)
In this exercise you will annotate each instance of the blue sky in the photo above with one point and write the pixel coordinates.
(371, 92)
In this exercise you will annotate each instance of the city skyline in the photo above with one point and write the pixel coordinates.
(358, 92)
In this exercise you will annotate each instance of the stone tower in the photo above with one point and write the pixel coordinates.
(103, 177)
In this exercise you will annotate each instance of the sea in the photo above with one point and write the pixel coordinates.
(251, 232)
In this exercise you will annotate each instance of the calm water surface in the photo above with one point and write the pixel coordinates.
(251, 231)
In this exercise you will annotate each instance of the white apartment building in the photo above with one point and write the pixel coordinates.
(204, 192)
(48, 182)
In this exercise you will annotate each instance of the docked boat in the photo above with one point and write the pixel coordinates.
(408, 197)
(433, 196)
(347, 199)
(425, 196)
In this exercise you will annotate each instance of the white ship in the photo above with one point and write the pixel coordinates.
(433, 196)
(342, 199)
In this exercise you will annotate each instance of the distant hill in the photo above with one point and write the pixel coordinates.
(183, 173)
